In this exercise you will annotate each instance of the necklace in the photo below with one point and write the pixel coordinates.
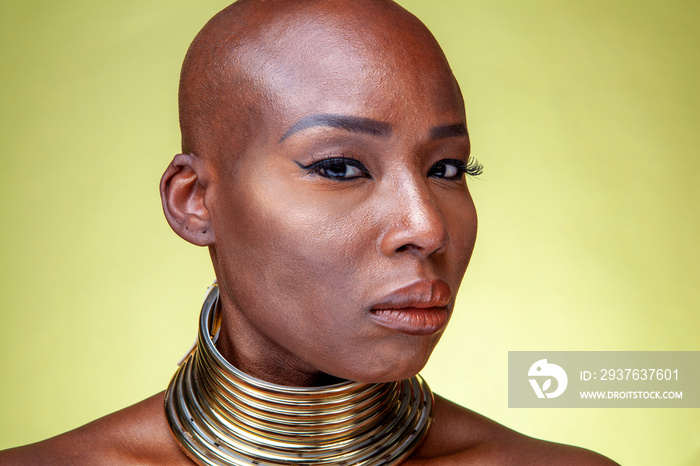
(222, 416)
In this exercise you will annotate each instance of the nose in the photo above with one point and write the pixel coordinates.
(413, 222)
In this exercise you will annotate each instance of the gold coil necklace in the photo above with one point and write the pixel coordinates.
(221, 416)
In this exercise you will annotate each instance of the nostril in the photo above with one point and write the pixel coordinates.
(415, 247)
(405, 247)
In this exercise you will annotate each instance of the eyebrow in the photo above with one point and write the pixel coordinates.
(346, 122)
(448, 131)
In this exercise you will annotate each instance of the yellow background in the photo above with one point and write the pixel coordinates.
(584, 113)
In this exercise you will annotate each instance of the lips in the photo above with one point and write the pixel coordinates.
(421, 308)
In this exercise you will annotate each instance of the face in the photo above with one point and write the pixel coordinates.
(344, 228)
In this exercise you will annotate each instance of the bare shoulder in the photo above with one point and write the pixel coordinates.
(138, 434)
(459, 436)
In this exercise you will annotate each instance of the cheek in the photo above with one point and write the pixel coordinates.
(462, 224)
(295, 251)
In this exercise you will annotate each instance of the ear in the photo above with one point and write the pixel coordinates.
(182, 191)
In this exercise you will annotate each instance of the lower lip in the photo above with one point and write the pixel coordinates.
(413, 320)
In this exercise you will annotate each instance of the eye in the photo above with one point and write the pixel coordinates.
(337, 168)
(453, 169)
(448, 169)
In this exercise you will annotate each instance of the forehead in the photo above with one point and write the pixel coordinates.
(370, 67)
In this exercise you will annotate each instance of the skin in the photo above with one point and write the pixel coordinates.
(302, 254)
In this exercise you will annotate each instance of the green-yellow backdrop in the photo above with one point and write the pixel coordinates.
(585, 114)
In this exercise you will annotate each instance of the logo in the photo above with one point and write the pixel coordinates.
(543, 370)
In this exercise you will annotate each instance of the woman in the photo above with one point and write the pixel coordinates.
(324, 157)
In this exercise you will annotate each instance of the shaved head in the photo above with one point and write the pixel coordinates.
(324, 150)
(255, 50)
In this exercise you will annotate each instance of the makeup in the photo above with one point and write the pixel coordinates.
(420, 308)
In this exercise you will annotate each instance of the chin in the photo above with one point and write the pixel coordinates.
(376, 370)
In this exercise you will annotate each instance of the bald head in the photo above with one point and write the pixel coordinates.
(255, 51)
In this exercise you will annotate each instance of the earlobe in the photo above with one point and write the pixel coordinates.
(182, 191)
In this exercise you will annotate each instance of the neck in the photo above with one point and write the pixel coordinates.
(220, 415)
(275, 368)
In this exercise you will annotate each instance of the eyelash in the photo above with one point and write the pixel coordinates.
(340, 164)
(324, 166)
(472, 168)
